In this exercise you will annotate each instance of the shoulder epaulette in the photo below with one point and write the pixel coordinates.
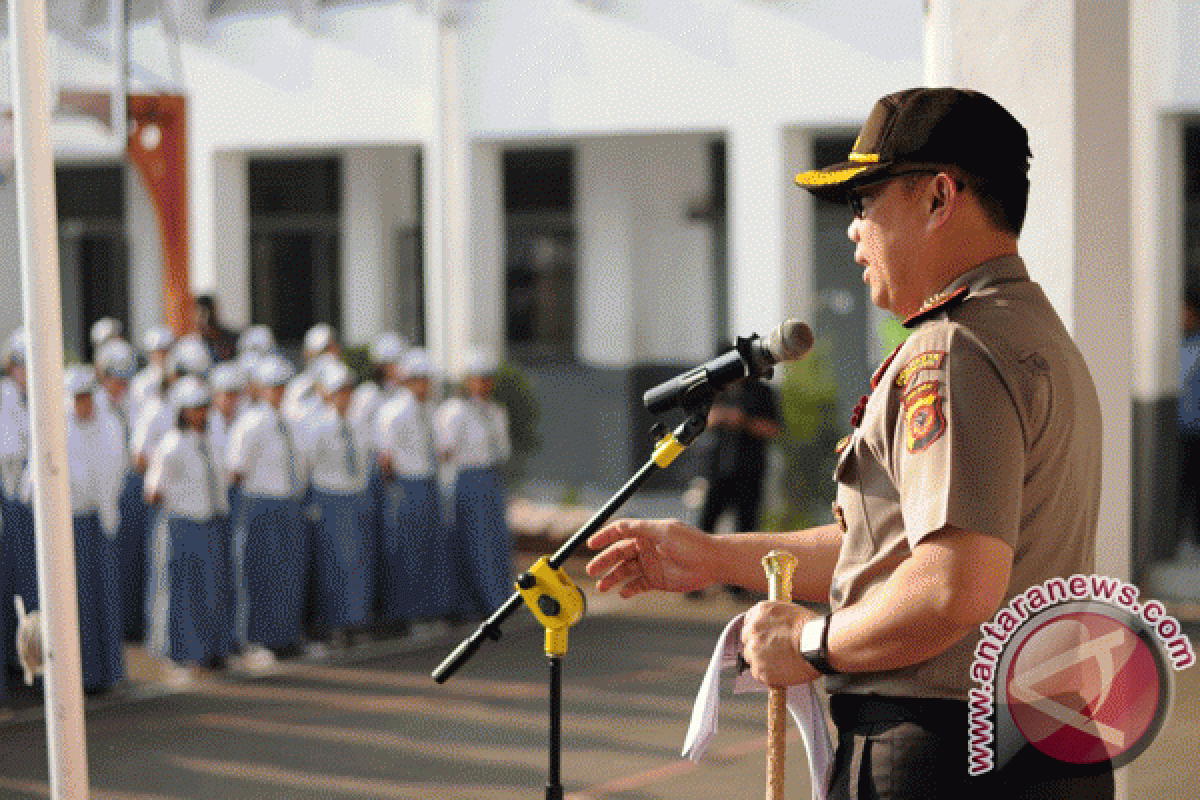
(942, 301)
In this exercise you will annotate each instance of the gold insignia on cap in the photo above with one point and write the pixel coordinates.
(818, 178)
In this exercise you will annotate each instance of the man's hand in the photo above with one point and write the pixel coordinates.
(645, 555)
(771, 644)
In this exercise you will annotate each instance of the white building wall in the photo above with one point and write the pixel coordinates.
(145, 258)
(546, 68)
(365, 245)
(352, 76)
(671, 258)
(607, 274)
(220, 244)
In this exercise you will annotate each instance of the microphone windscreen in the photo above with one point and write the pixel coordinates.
(791, 341)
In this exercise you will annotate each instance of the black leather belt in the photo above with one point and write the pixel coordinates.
(852, 711)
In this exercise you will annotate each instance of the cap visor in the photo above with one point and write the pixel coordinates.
(832, 183)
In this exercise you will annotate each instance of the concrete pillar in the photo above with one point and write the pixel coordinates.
(145, 258)
(797, 257)
(756, 227)
(486, 295)
(446, 212)
(1062, 68)
(227, 237)
(1157, 171)
(607, 324)
(365, 247)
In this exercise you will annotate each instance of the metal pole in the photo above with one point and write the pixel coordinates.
(434, 222)
(118, 116)
(41, 296)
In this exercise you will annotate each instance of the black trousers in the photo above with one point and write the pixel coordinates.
(1189, 485)
(901, 747)
(741, 492)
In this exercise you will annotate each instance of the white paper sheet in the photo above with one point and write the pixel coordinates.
(803, 702)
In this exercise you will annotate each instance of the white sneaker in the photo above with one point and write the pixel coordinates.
(316, 651)
(179, 676)
(258, 660)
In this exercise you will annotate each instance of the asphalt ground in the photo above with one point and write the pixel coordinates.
(371, 722)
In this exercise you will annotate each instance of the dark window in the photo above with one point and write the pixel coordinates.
(295, 233)
(841, 308)
(410, 267)
(540, 253)
(93, 255)
(1191, 234)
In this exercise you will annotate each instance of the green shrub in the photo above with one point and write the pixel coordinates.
(811, 431)
(358, 359)
(515, 392)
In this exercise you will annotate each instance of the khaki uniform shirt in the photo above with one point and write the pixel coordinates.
(986, 419)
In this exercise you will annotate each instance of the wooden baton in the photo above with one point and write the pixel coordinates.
(779, 566)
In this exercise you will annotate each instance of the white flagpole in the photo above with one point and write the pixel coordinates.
(41, 296)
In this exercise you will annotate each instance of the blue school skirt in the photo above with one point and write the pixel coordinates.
(132, 534)
(18, 564)
(343, 557)
(481, 545)
(190, 616)
(420, 581)
(100, 622)
(270, 555)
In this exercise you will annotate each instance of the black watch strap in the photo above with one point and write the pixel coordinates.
(814, 644)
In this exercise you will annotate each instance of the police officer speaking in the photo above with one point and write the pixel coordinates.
(971, 473)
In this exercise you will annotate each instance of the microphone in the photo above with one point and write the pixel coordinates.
(750, 358)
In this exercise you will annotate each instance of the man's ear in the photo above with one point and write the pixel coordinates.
(942, 192)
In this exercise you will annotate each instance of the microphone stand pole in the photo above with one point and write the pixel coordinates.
(554, 599)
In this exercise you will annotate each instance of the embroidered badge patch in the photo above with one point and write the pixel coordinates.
(930, 359)
(924, 421)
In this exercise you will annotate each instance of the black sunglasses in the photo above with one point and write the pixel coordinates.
(855, 200)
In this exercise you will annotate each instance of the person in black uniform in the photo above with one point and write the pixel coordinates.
(744, 419)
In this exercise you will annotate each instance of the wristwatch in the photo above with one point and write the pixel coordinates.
(814, 644)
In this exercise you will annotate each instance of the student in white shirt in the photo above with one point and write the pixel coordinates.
(386, 363)
(229, 400)
(156, 345)
(18, 548)
(271, 539)
(96, 461)
(191, 575)
(418, 582)
(157, 416)
(256, 339)
(321, 347)
(472, 436)
(116, 367)
(105, 330)
(342, 512)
